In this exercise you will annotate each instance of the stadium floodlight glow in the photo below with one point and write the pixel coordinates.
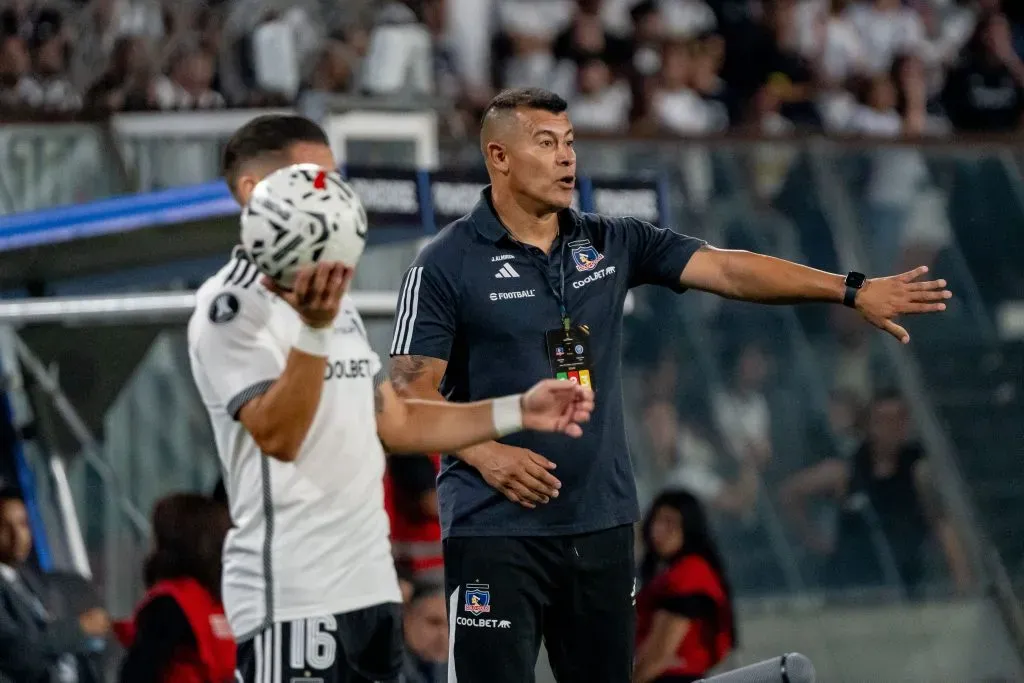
(163, 306)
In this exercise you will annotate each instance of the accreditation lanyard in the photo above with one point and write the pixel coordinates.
(567, 347)
(559, 292)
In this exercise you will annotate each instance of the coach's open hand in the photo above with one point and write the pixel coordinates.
(316, 294)
(557, 405)
(882, 299)
(522, 476)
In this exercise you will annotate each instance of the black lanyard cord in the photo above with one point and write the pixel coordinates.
(559, 293)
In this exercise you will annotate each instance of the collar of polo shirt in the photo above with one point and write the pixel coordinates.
(489, 225)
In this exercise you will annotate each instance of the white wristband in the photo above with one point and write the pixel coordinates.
(507, 413)
(316, 341)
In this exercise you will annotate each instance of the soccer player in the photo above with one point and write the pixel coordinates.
(288, 378)
(525, 288)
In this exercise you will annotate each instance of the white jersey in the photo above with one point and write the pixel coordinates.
(310, 537)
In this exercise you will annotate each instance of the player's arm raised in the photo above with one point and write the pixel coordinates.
(274, 401)
(414, 425)
(279, 419)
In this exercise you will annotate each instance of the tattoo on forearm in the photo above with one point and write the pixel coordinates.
(407, 369)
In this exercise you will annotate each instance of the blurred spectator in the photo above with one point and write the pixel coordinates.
(400, 57)
(985, 92)
(647, 38)
(888, 508)
(886, 28)
(586, 38)
(426, 636)
(677, 105)
(741, 408)
(685, 19)
(827, 37)
(179, 633)
(34, 646)
(847, 355)
(768, 53)
(188, 85)
(688, 459)
(846, 421)
(600, 103)
(275, 54)
(876, 114)
(48, 88)
(127, 85)
(14, 69)
(686, 624)
(410, 498)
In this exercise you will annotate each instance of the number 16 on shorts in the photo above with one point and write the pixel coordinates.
(300, 651)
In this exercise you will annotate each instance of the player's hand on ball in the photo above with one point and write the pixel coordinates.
(556, 405)
(317, 292)
(881, 300)
(523, 476)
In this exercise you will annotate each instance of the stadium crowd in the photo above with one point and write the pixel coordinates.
(881, 68)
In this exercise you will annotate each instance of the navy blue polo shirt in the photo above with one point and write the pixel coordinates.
(482, 301)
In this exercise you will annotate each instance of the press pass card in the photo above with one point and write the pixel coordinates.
(569, 355)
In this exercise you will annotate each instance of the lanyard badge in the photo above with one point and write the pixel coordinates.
(569, 354)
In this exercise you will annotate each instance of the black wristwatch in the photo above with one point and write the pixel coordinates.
(854, 281)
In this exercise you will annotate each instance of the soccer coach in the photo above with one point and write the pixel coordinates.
(525, 288)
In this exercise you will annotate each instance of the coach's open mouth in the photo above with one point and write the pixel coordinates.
(567, 182)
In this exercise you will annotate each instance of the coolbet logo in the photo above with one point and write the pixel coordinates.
(578, 284)
(478, 598)
(585, 256)
(504, 296)
(352, 368)
(483, 623)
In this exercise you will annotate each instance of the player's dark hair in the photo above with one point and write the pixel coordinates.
(266, 135)
(526, 98)
(188, 536)
(697, 540)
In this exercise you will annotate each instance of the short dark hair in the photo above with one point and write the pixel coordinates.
(526, 98)
(264, 135)
(188, 537)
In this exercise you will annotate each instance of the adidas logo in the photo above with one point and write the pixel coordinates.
(506, 271)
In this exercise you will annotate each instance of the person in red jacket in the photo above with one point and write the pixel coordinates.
(179, 633)
(410, 498)
(685, 619)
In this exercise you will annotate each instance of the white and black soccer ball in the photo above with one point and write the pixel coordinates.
(301, 215)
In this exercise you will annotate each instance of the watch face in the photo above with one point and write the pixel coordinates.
(855, 280)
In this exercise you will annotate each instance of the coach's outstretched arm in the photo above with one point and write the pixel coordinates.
(416, 426)
(747, 276)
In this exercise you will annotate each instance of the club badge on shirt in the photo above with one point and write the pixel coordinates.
(585, 255)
